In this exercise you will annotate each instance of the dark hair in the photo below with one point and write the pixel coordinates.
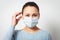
(30, 4)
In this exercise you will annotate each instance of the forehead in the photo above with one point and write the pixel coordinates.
(30, 10)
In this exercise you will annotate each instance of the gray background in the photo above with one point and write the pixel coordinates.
(49, 19)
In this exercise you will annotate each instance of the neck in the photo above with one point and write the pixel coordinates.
(34, 29)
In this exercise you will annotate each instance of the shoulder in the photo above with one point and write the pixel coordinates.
(15, 34)
(44, 31)
(16, 31)
(46, 34)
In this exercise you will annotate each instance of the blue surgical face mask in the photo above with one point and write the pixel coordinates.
(30, 22)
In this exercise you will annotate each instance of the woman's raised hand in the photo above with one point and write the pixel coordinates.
(16, 20)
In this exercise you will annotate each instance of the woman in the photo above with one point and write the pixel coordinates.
(30, 15)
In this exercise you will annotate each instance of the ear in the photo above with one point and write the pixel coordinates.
(38, 15)
(23, 16)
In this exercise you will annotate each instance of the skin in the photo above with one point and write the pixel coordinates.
(29, 11)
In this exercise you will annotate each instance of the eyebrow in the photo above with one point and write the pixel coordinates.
(30, 13)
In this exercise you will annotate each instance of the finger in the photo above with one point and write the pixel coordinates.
(19, 18)
(18, 13)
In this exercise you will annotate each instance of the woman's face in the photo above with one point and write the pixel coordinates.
(30, 11)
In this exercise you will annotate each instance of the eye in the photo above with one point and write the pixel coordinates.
(27, 15)
(34, 15)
